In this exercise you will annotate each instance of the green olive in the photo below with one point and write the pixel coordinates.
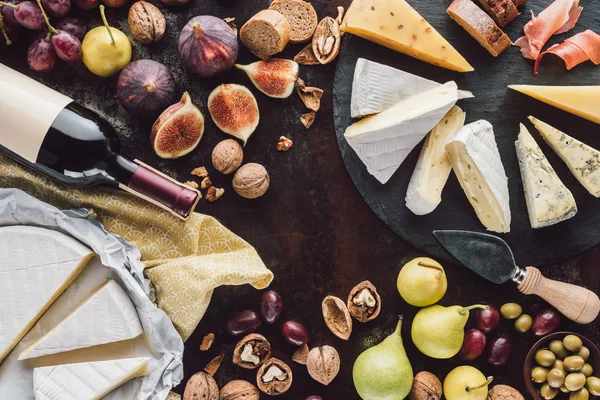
(511, 310)
(572, 343)
(584, 353)
(564, 389)
(575, 381)
(523, 323)
(548, 392)
(587, 370)
(545, 358)
(557, 347)
(556, 377)
(573, 363)
(593, 385)
(559, 364)
(581, 394)
(539, 374)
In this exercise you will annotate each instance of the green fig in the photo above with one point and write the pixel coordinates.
(384, 371)
(422, 282)
(466, 383)
(439, 332)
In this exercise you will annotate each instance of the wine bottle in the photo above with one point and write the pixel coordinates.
(54, 135)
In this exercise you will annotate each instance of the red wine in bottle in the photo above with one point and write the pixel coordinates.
(52, 134)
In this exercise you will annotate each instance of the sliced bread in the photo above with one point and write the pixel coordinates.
(266, 33)
(302, 18)
(503, 11)
(479, 25)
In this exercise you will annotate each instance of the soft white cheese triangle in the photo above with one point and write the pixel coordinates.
(583, 161)
(377, 87)
(548, 199)
(424, 191)
(107, 316)
(36, 266)
(86, 381)
(475, 159)
(383, 141)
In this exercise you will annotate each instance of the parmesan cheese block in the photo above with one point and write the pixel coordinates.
(475, 159)
(582, 101)
(108, 316)
(433, 168)
(583, 161)
(548, 199)
(395, 24)
(36, 266)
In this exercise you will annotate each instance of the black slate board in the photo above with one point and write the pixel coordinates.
(505, 109)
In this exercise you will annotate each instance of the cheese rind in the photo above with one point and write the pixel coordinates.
(433, 168)
(383, 141)
(86, 381)
(579, 100)
(475, 159)
(107, 316)
(548, 199)
(583, 161)
(396, 25)
(36, 266)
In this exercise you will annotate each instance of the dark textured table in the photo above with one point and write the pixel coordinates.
(312, 228)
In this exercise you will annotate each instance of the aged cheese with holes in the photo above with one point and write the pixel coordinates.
(433, 167)
(36, 266)
(582, 160)
(475, 159)
(395, 24)
(548, 199)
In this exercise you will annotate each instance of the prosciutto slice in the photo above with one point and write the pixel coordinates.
(559, 17)
(575, 50)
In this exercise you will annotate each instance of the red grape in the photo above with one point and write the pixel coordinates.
(498, 351)
(487, 320)
(67, 46)
(243, 322)
(72, 25)
(294, 333)
(473, 344)
(545, 322)
(8, 15)
(86, 4)
(41, 56)
(30, 16)
(57, 8)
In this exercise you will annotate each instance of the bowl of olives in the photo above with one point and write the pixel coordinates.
(563, 365)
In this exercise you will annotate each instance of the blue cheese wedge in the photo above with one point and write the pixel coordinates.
(583, 161)
(433, 167)
(475, 159)
(548, 199)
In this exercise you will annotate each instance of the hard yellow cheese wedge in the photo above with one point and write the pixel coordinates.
(395, 24)
(583, 101)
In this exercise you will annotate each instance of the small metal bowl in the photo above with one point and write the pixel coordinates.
(533, 387)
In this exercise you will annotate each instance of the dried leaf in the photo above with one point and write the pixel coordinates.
(213, 366)
(308, 119)
(207, 342)
(301, 355)
(231, 22)
(306, 56)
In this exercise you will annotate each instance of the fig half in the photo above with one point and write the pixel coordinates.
(275, 77)
(234, 110)
(178, 130)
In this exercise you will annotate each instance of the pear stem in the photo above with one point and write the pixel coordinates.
(426, 265)
(51, 29)
(486, 383)
(399, 326)
(465, 310)
(103, 14)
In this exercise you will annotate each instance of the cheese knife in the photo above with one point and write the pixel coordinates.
(491, 257)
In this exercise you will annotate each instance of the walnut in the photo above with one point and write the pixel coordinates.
(426, 386)
(306, 56)
(213, 194)
(274, 377)
(239, 390)
(308, 119)
(201, 386)
(252, 351)
(227, 156)
(206, 182)
(284, 144)
(301, 355)
(200, 171)
(326, 40)
(192, 184)
(337, 317)
(364, 302)
(251, 181)
(310, 96)
(504, 392)
(323, 364)
(207, 342)
(146, 22)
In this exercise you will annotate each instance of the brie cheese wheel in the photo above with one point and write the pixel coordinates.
(86, 381)
(583, 161)
(377, 87)
(474, 156)
(36, 266)
(383, 141)
(433, 168)
(107, 316)
(548, 199)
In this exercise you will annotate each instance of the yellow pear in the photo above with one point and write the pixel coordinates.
(422, 282)
(466, 383)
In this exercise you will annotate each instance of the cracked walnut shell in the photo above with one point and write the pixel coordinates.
(364, 303)
(252, 351)
(337, 317)
(323, 364)
(251, 181)
(274, 377)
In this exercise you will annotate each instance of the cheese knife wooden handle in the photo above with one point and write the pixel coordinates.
(574, 302)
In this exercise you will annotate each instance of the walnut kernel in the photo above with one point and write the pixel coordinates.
(213, 194)
(200, 171)
(207, 342)
(284, 144)
(274, 377)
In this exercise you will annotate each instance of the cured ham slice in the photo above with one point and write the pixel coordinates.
(575, 50)
(559, 17)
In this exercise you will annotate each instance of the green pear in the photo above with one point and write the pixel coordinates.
(438, 332)
(466, 383)
(383, 372)
(422, 282)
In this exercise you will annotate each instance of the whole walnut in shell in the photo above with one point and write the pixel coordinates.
(323, 364)
(201, 386)
(251, 181)
(239, 390)
(504, 392)
(426, 386)
(146, 22)
(227, 156)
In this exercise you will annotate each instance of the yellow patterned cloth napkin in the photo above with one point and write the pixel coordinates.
(185, 261)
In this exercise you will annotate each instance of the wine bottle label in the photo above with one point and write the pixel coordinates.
(27, 110)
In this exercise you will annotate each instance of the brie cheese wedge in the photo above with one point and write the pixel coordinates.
(107, 316)
(474, 156)
(36, 266)
(86, 381)
(383, 141)
(548, 199)
(583, 161)
(378, 87)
